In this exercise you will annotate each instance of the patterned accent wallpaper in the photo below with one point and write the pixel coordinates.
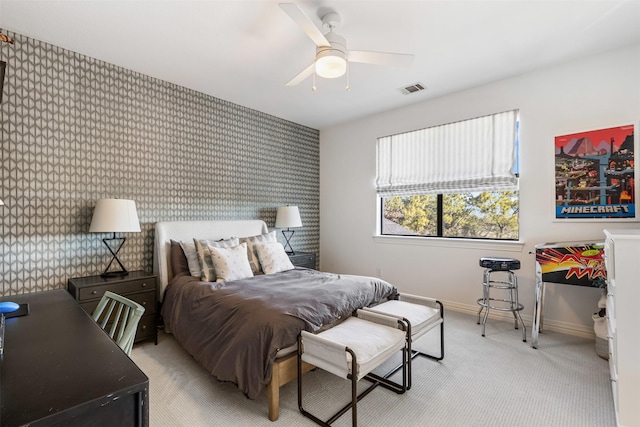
(75, 129)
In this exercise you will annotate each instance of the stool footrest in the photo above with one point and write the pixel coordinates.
(481, 302)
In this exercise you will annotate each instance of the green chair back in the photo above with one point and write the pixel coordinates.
(119, 317)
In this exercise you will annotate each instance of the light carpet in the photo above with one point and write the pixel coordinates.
(496, 380)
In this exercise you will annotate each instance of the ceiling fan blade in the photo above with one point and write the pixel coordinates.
(305, 23)
(302, 75)
(380, 58)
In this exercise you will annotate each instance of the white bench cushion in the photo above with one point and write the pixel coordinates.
(372, 344)
(422, 318)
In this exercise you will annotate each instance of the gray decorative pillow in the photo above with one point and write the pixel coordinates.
(230, 263)
(178, 260)
(251, 251)
(207, 270)
(273, 258)
(193, 261)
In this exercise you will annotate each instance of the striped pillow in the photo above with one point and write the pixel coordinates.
(251, 251)
(207, 270)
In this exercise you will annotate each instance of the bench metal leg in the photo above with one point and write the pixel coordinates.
(412, 354)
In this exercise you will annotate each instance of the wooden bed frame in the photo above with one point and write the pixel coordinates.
(285, 369)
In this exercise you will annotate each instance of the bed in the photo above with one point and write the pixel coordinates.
(244, 331)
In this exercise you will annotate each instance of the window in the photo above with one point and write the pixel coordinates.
(456, 180)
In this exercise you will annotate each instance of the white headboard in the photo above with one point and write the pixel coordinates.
(186, 231)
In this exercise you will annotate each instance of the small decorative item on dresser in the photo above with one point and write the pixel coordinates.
(138, 286)
(303, 259)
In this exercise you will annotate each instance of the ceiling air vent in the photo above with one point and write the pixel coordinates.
(413, 88)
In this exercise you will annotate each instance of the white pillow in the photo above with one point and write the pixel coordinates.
(207, 270)
(273, 258)
(230, 263)
(191, 254)
(251, 252)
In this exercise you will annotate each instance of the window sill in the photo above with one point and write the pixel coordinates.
(499, 245)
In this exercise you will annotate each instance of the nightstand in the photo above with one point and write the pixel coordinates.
(138, 286)
(303, 259)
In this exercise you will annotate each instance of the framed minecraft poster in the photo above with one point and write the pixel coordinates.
(595, 175)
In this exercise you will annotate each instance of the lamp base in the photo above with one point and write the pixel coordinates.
(287, 238)
(116, 273)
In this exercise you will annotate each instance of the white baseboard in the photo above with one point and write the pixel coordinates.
(549, 325)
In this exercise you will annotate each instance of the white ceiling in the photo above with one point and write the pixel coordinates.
(245, 51)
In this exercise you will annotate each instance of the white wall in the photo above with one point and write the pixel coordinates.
(591, 93)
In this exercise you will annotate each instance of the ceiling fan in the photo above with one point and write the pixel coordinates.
(332, 55)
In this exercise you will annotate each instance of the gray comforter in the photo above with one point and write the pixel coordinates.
(235, 329)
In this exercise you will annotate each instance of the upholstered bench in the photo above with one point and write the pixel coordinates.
(351, 350)
(420, 314)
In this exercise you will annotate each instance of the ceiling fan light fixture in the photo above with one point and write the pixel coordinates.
(331, 63)
(331, 49)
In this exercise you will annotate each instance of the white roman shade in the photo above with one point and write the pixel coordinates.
(471, 155)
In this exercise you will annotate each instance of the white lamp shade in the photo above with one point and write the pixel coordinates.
(288, 216)
(1, 203)
(115, 216)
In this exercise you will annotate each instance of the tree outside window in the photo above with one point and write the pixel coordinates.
(481, 215)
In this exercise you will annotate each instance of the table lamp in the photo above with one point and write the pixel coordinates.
(288, 216)
(115, 216)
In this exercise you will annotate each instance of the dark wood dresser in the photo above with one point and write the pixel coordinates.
(59, 368)
(138, 286)
(303, 259)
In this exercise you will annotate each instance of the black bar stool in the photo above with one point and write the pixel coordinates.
(508, 286)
